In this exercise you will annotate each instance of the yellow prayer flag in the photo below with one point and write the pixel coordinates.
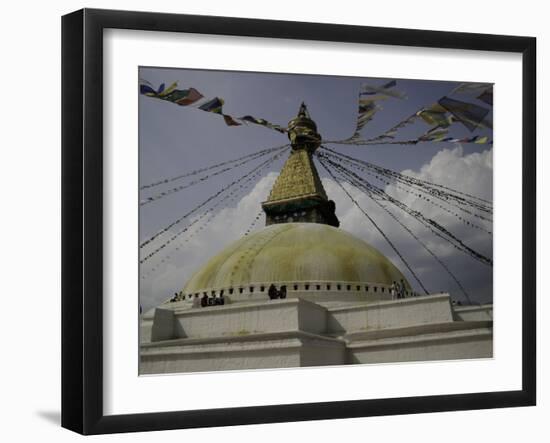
(169, 89)
(482, 140)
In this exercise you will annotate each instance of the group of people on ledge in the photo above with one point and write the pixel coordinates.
(212, 301)
(398, 290)
(202, 302)
(275, 293)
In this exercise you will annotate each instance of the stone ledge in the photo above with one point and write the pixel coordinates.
(222, 348)
(421, 338)
(390, 303)
(389, 314)
(467, 313)
(249, 318)
(420, 329)
(257, 351)
(268, 336)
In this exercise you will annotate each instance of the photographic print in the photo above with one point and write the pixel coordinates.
(291, 220)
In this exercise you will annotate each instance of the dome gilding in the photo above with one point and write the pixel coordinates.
(294, 252)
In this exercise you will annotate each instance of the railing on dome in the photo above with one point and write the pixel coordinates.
(319, 291)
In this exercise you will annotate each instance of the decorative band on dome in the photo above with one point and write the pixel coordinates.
(335, 290)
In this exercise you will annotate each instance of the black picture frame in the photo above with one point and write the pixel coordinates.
(82, 220)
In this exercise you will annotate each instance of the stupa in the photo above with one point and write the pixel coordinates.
(304, 292)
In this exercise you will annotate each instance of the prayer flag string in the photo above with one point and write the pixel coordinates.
(201, 205)
(226, 201)
(440, 116)
(208, 168)
(437, 190)
(368, 105)
(200, 180)
(378, 228)
(424, 194)
(431, 224)
(193, 98)
(411, 233)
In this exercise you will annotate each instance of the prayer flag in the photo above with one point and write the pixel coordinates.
(482, 140)
(175, 95)
(471, 88)
(434, 135)
(146, 90)
(192, 96)
(486, 96)
(435, 116)
(249, 118)
(384, 90)
(168, 90)
(230, 121)
(262, 122)
(469, 114)
(214, 105)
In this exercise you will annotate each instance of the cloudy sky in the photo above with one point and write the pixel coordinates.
(175, 140)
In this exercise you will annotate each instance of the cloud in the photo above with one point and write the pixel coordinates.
(472, 173)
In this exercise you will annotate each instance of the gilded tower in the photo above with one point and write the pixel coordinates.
(298, 194)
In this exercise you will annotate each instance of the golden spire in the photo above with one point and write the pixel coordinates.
(298, 194)
(298, 178)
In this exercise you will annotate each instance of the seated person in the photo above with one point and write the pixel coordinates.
(272, 292)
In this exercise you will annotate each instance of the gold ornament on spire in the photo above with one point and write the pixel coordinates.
(302, 131)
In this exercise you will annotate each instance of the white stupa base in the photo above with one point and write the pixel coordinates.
(295, 332)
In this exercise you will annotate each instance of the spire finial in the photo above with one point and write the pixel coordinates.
(302, 112)
(302, 131)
